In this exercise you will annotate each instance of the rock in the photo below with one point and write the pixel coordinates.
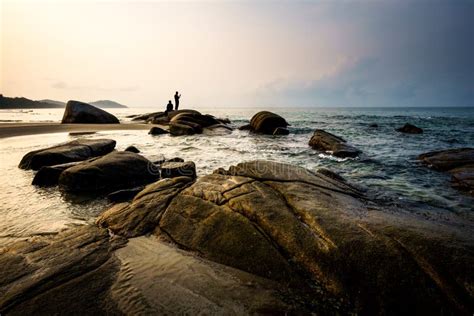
(373, 125)
(79, 112)
(409, 129)
(185, 111)
(215, 126)
(197, 128)
(327, 142)
(224, 120)
(117, 170)
(246, 127)
(160, 160)
(81, 133)
(463, 178)
(155, 130)
(72, 271)
(218, 130)
(196, 118)
(76, 150)
(458, 162)
(49, 175)
(193, 119)
(177, 129)
(291, 225)
(331, 174)
(124, 195)
(147, 116)
(281, 131)
(266, 122)
(175, 159)
(132, 149)
(139, 218)
(178, 169)
(160, 120)
(444, 160)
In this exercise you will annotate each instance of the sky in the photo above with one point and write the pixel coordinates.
(240, 53)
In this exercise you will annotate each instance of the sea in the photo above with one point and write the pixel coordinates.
(388, 171)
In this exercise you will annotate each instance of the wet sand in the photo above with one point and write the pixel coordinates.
(157, 278)
(21, 129)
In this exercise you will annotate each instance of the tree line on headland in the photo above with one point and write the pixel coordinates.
(24, 103)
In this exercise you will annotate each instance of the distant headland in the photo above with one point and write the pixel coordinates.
(24, 103)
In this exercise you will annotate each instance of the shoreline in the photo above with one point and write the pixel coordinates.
(24, 129)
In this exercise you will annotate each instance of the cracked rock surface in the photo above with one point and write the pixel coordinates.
(294, 226)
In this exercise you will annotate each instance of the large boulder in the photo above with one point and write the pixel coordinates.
(409, 129)
(267, 122)
(76, 150)
(458, 162)
(337, 146)
(291, 225)
(188, 122)
(79, 112)
(114, 171)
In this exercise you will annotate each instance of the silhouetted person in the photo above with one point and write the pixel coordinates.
(176, 100)
(169, 107)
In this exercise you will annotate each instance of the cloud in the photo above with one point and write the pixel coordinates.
(414, 54)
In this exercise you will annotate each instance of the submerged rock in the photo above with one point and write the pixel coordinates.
(171, 169)
(291, 225)
(116, 170)
(79, 112)
(337, 146)
(76, 150)
(409, 129)
(458, 162)
(267, 122)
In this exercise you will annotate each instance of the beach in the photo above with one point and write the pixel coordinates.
(22, 129)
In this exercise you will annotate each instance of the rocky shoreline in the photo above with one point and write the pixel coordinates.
(260, 237)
